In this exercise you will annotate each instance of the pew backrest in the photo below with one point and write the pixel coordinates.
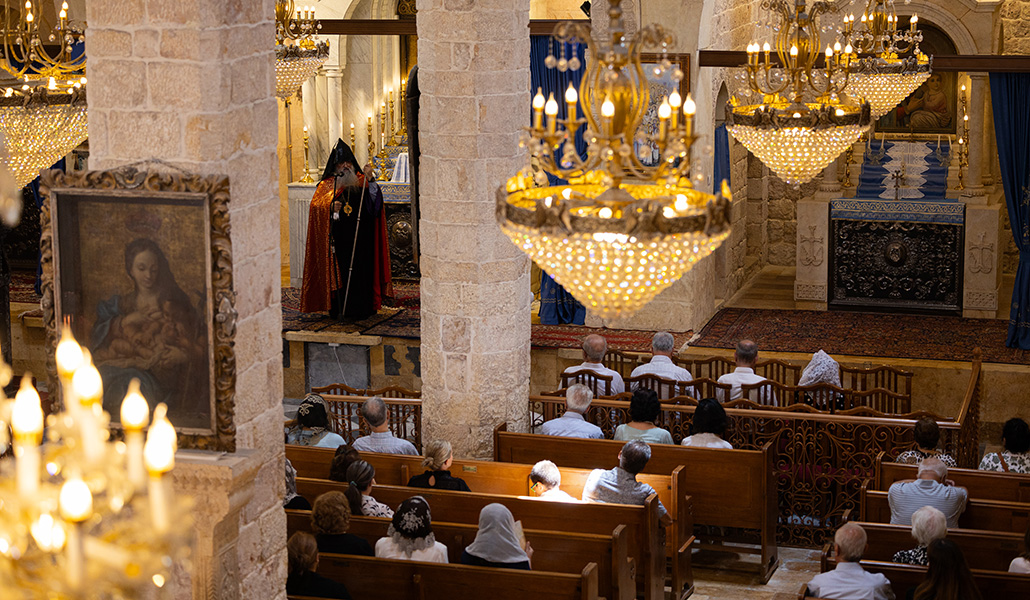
(599, 383)
(989, 515)
(986, 485)
(988, 550)
(992, 584)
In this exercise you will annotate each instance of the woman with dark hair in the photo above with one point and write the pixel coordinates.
(302, 555)
(1015, 458)
(361, 476)
(644, 408)
(1021, 563)
(313, 425)
(410, 535)
(927, 435)
(948, 577)
(330, 520)
(154, 334)
(345, 456)
(708, 426)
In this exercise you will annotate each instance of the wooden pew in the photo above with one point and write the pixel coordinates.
(555, 551)
(728, 488)
(992, 584)
(987, 550)
(985, 485)
(387, 579)
(643, 530)
(989, 515)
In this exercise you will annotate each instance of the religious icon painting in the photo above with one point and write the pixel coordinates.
(933, 107)
(660, 84)
(140, 264)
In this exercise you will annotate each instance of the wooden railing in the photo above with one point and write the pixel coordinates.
(390, 391)
(404, 416)
(968, 450)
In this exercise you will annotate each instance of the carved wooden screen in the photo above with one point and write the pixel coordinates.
(404, 416)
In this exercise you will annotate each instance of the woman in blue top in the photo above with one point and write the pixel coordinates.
(644, 408)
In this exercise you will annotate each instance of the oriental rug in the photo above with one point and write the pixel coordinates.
(862, 334)
(23, 287)
(294, 320)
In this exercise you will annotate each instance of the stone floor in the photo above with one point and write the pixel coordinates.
(716, 579)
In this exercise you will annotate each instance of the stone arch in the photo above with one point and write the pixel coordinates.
(943, 15)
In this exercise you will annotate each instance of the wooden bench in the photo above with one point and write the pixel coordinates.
(989, 515)
(993, 585)
(388, 579)
(728, 488)
(555, 551)
(986, 485)
(987, 550)
(643, 529)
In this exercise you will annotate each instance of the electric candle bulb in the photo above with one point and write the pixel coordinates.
(681, 203)
(689, 107)
(848, 49)
(27, 414)
(135, 411)
(793, 51)
(68, 355)
(88, 385)
(863, 18)
(608, 108)
(829, 52)
(766, 47)
(664, 111)
(836, 47)
(571, 95)
(675, 101)
(64, 6)
(75, 501)
(159, 451)
(27, 425)
(63, 14)
(551, 108)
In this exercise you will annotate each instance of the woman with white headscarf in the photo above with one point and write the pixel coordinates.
(822, 369)
(410, 535)
(498, 542)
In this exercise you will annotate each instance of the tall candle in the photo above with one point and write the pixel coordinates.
(76, 504)
(551, 109)
(159, 458)
(89, 388)
(27, 425)
(135, 414)
(538, 109)
(689, 109)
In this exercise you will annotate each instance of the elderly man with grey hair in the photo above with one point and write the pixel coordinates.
(745, 357)
(928, 524)
(931, 487)
(662, 346)
(594, 349)
(381, 439)
(572, 424)
(849, 581)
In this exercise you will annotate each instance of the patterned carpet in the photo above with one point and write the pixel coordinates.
(862, 334)
(23, 287)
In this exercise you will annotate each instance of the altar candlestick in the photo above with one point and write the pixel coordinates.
(27, 425)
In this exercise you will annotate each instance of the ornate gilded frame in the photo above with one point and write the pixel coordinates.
(142, 186)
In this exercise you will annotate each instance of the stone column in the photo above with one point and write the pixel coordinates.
(307, 95)
(191, 83)
(811, 283)
(334, 98)
(474, 80)
(977, 107)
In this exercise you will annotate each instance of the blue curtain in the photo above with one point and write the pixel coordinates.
(1009, 92)
(557, 306)
(721, 169)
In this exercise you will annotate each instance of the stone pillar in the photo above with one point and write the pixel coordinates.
(811, 283)
(977, 161)
(475, 283)
(191, 83)
(334, 98)
(981, 280)
(315, 137)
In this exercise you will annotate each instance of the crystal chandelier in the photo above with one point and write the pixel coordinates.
(31, 51)
(620, 231)
(83, 516)
(885, 76)
(801, 122)
(297, 61)
(40, 125)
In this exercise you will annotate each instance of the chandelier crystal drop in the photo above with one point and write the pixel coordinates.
(629, 222)
(40, 125)
(885, 75)
(800, 121)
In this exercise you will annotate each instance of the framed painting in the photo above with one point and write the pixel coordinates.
(933, 107)
(140, 265)
(660, 85)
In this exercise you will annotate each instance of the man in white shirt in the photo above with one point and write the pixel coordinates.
(745, 356)
(594, 349)
(849, 581)
(930, 488)
(546, 483)
(661, 363)
(572, 424)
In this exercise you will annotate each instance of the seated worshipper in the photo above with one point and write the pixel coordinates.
(313, 421)
(594, 349)
(1021, 563)
(644, 408)
(361, 476)
(927, 435)
(928, 524)
(745, 356)
(499, 541)
(620, 485)
(410, 535)
(292, 498)
(662, 347)
(849, 581)
(708, 426)
(381, 440)
(330, 520)
(342, 460)
(438, 460)
(573, 424)
(302, 558)
(1015, 458)
(948, 576)
(822, 369)
(930, 488)
(546, 483)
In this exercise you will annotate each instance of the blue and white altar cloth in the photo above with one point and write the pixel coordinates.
(932, 211)
(925, 170)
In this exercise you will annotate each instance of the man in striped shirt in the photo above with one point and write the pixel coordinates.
(930, 488)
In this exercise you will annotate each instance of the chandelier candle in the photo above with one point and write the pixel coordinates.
(89, 389)
(135, 414)
(27, 425)
(159, 458)
(76, 505)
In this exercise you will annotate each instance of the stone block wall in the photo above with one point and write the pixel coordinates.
(191, 84)
(1015, 27)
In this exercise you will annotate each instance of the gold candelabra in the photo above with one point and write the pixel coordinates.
(402, 99)
(307, 178)
(371, 142)
(292, 23)
(84, 516)
(963, 140)
(844, 177)
(32, 52)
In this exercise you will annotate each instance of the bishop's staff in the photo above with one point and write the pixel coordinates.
(369, 173)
